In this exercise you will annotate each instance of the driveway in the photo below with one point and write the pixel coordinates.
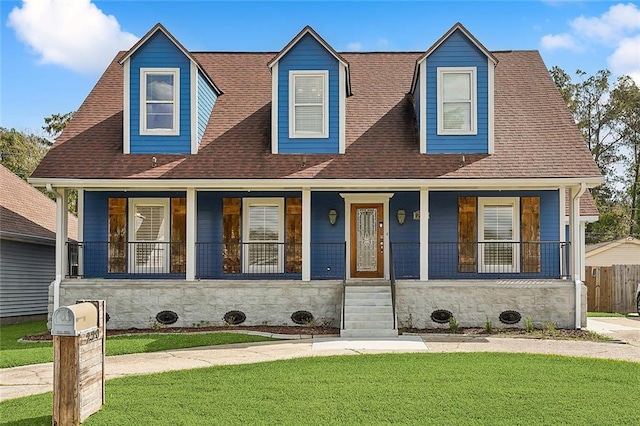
(626, 329)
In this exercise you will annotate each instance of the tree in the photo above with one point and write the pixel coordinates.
(55, 123)
(21, 153)
(605, 117)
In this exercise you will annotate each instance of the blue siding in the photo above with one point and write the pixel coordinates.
(206, 101)
(327, 259)
(443, 228)
(96, 226)
(160, 52)
(457, 51)
(405, 238)
(308, 54)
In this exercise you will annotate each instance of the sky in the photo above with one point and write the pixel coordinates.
(54, 51)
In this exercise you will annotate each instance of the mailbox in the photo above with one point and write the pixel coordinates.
(74, 319)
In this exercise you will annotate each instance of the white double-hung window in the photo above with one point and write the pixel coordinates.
(263, 222)
(308, 104)
(149, 235)
(457, 101)
(499, 219)
(159, 101)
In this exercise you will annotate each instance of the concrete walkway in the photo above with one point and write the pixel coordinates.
(34, 379)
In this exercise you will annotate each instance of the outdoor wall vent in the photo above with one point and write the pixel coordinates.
(302, 317)
(234, 317)
(510, 317)
(167, 317)
(441, 316)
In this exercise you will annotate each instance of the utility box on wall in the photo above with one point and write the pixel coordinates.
(78, 361)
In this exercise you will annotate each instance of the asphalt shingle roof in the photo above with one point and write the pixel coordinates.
(535, 136)
(25, 211)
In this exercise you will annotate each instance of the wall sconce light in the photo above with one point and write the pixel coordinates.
(402, 215)
(333, 216)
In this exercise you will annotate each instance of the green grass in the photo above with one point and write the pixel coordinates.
(14, 353)
(605, 314)
(450, 389)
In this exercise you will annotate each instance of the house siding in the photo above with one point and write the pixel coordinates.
(206, 100)
(96, 225)
(160, 52)
(457, 51)
(443, 228)
(26, 270)
(308, 54)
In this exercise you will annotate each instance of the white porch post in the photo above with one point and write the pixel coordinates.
(191, 234)
(80, 232)
(62, 225)
(306, 234)
(424, 234)
(574, 232)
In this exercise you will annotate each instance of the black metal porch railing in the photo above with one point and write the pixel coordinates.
(126, 259)
(484, 260)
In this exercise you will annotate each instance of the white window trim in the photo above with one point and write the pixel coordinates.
(472, 71)
(266, 201)
(513, 202)
(325, 105)
(132, 203)
(176, 101)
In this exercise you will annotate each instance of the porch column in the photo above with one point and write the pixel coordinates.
(306, 234)
(574, 232)
(424, 234)
(80, 231)
(191, 235)
(62, 225)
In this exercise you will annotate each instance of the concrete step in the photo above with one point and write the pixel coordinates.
(382, 316)
(367, 302)
(383, 325)
(368, 289)
(368, 309)
(369, 333)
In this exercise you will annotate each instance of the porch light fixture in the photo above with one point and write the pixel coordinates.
(402, 215)
(333, 216)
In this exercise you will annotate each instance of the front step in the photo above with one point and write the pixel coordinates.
(368, 311)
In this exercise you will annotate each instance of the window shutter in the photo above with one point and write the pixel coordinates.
(467, 211)
(117, 238)
(294, 235)
(231, 235)
(178, 235)
(530, 223)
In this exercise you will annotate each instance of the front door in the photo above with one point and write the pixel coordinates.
(367, 241)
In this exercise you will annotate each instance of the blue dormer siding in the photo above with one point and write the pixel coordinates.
(206, 101)
(308, 55)
(457, 51)
(160, 52)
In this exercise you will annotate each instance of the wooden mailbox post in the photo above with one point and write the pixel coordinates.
(78, 361)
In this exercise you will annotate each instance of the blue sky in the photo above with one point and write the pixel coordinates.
(54, 51)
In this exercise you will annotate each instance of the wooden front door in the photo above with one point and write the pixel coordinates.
(367, 241)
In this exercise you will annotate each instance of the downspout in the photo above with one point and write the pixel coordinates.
(58, 280)
(578, 283)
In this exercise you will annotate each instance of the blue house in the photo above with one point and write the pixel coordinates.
(360, 190)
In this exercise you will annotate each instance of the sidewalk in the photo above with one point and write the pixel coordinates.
(34, 379)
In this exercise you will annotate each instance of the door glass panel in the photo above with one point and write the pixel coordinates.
(366, 239)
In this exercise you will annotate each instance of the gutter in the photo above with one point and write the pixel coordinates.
(578, 283)
(58, 280)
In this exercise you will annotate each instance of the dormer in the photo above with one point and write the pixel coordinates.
(310, 84)
(453, 95)
(168, 97)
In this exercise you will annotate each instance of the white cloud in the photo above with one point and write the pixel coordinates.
(74, 34)
(356, 45)
(559, 41)
(626, 58)
(612, 26)
(383, 42)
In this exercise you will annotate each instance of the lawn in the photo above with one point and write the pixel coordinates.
(451, 389)
(14, 353)
(607, 314)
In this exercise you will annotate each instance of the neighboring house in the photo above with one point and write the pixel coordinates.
(27, 249)
(214, 182)
(625, 251)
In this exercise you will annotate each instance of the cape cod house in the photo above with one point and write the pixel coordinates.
(363, 190)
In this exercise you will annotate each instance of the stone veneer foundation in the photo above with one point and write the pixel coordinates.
(135, 303)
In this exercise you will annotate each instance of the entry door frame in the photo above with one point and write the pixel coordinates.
(367, 198)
